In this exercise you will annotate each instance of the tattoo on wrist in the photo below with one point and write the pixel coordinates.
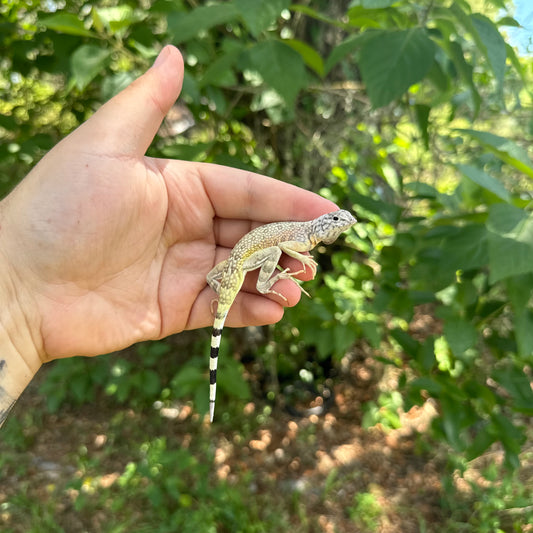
(6, 400)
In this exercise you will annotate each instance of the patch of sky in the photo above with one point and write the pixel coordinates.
(522, 36)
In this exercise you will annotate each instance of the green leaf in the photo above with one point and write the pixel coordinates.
(280, 67)
(389, 212)
(349, 45)
(485, 180)
(493, 45)
(460, 335)
(510, 436)
(508, 21)
(486, 36)
(422, 190)
(313, 13)
(189, 379)
(66, 23)
(426, 355)
(217, 99)
(392, 61)
(409, 345)
(429, 384)
(86, 63)
(231, 380)
(115, 83)
(310, 56)
(484, 438)
(465, 70)
(372, 332)
(455, 419)
(190, 90)
(466, 248)
(462, 15)
(506, 150)
(325, 342)
(523, 325)
(185, 26)
(500, 4)
(422, 120)
(150, 383)
(439, 77)
(258, 16)
(273, 105)
(343, 337)
(152, 351)
(117, 19)
(520, 290)
(220, 71)
(510, 239)
(359, 17)
(146, 52)
(377, 4)
(513, 58)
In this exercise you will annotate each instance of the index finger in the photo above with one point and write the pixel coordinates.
(240, 194)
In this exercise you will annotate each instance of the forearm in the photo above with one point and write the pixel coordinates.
(19, 348)
(15, 374)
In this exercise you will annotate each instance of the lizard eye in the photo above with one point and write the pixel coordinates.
(335, 218)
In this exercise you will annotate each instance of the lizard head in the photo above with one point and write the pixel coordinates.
(329, 226)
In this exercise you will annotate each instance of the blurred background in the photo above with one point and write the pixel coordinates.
(397, 399)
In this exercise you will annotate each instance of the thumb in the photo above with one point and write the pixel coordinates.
(126, 124)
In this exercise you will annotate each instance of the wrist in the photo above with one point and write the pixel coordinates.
(20, 352)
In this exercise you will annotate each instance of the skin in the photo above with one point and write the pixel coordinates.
(102, 247)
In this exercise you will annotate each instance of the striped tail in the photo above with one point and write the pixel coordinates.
(220, 318)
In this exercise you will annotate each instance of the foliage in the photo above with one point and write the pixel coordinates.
(366, 511)
(388, 108)
(147, 374)
(498, 500)
(127, 469)
(161, 486)
(176, 494)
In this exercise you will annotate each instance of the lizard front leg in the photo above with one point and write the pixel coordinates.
(294, 249)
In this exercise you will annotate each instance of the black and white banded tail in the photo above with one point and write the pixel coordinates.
(213, 360)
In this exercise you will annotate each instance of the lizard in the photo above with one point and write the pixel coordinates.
(262, 248)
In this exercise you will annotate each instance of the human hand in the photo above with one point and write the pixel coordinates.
(104, 247)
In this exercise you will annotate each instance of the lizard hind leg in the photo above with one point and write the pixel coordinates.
(267, 260)
(266, 280)
(214, 277)
(265, 287)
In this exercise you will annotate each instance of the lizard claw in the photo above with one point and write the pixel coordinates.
(285, 274)
(302, 289)
(278, 294)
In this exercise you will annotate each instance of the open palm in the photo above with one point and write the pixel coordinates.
(109, 247)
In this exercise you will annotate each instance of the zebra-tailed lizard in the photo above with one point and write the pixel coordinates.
(262, 248)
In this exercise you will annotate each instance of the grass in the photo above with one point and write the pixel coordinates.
(107, 467)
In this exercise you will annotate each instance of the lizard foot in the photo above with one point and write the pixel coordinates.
(285, 274)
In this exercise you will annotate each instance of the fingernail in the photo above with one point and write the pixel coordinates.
(162, 57)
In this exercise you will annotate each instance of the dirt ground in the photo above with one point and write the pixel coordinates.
(325, 457)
